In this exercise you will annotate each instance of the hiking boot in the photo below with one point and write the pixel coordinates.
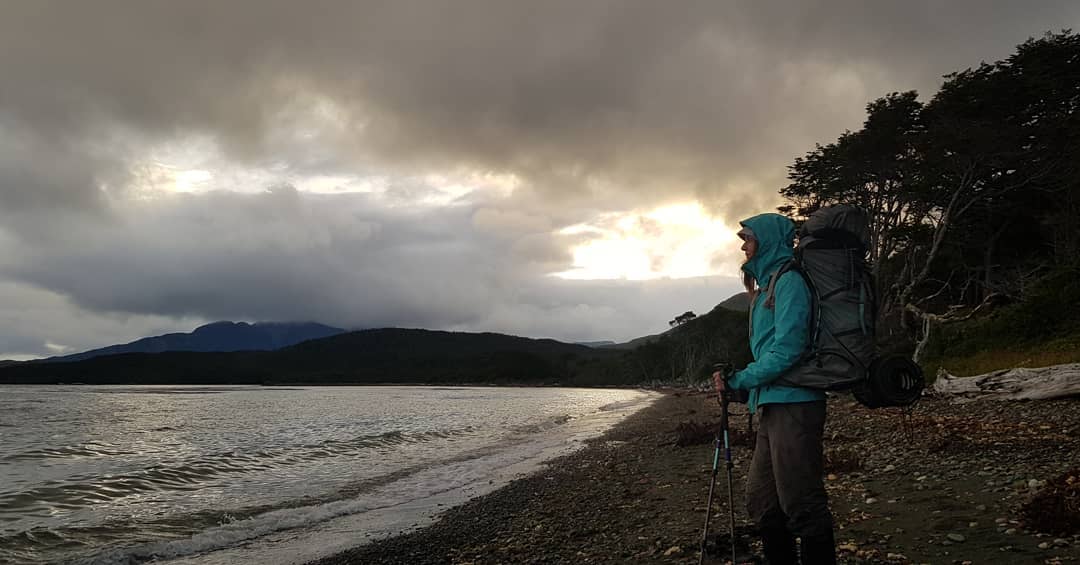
(819, 550)
(779, 547)
(744, 554)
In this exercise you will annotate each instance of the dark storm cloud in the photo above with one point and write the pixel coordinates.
(642, 95)
(592, 106)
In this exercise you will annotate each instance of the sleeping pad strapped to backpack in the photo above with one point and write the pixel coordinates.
(842, 354)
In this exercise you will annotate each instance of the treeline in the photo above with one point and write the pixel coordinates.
(973, 194)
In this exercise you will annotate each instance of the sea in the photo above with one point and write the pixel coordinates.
(207, 475)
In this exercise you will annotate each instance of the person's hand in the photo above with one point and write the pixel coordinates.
(718, 381)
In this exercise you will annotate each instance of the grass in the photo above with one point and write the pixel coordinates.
(1042, 330)
(1055, 352)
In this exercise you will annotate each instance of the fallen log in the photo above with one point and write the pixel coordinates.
(1057, 381)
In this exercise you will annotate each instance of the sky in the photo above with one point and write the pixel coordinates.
(564, 169)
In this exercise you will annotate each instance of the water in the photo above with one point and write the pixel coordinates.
(203, 475)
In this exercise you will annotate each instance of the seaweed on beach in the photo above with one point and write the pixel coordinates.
(692, 432)
(1055, 509)
(841, 460)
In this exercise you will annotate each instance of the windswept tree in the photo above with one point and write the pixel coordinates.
(876, 168)
(682, 319)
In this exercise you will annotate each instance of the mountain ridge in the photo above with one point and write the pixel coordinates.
(414, 356)
(219, 336)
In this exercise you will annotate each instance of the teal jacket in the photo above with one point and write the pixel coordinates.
(778, 335)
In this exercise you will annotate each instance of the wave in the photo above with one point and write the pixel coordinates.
(543, 425)
(251, 524)
(91, 449)
(187, 474)
(227, 534)
(622, 404)
(449, 475)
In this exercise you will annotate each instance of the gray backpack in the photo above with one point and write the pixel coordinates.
(831, 257)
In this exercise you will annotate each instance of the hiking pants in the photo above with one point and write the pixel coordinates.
(785, 489)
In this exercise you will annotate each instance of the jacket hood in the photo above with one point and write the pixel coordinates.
(775, 235)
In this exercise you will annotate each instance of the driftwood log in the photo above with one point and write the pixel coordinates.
(1058, 381)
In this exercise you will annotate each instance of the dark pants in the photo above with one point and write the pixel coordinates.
(785, 490)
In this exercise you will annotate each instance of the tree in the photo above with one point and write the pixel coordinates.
(682, 319)
(997, 139)
(875, 168)
(952, 185)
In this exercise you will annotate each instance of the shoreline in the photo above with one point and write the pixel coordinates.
(942, 484)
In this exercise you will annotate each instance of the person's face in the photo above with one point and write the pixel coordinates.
(749, 247)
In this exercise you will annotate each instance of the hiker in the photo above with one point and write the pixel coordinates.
(785, 492)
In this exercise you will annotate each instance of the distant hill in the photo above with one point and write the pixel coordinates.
(218, 336)
(739, 302)
(637, 341)
(368, 356)
(607, 343)
(682, 354)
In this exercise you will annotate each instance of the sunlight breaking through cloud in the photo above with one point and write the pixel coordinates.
(674, 241)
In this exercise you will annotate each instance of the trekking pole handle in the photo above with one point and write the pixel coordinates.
(726, 370)
(724, 367)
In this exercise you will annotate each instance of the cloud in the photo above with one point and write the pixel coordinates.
(41, 323)
(353, 261)
(616, 100)
(461, 137)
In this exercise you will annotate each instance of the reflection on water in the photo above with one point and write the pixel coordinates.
(86, 470)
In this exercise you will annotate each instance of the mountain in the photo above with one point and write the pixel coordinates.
(218, 336)
(370, 356)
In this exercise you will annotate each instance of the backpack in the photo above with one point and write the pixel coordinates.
(841, 352)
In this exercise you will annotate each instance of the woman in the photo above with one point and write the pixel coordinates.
(785, 492)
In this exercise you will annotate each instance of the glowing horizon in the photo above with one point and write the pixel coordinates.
(674, 241)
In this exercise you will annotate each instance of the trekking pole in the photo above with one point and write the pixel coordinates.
(724, 399)
(721, 436)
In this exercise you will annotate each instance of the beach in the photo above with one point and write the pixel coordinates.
(940, 483)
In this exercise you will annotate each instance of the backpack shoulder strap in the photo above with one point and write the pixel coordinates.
(794, 266)
(770, 292)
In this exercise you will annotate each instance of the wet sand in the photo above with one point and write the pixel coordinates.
(941, 484)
